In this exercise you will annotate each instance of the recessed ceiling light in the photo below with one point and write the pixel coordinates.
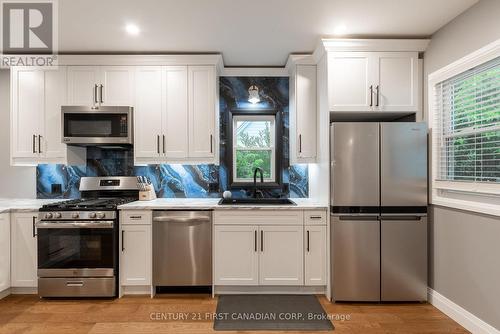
(341, 29)
(132, 29)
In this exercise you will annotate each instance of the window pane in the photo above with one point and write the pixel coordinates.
(247, 161)
(253, 134)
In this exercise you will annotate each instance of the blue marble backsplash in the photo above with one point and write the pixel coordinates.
(184, 181)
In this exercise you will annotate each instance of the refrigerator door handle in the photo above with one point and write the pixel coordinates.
(399, 217)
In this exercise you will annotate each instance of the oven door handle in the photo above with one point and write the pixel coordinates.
(103, 224)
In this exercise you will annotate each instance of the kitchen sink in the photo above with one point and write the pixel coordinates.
(256, 201)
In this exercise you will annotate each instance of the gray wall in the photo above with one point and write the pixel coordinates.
(15, 182)
(465, 246)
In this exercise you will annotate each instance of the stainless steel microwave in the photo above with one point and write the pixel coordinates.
(110, 125)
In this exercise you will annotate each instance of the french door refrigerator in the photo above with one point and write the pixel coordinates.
(379, 211)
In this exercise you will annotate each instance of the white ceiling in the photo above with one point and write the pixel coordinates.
(246, 32)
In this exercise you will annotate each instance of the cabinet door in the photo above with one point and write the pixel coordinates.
(26, 112)
(24, 250)
(201, 93)
(4, 251)
(82, 85)
(236, 255)
(135, 256)
(315, 255)
(149, 104)
(306, 113)
(349, 80)
(55, 96)
(281, 255)
(176, 113)
(117, 86)
(397, 77)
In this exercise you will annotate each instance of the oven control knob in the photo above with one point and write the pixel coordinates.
(57, 215)
(92, 215)
(75, 215)
(101, 215)
(48, 215)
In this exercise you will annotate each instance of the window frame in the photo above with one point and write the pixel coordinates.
(276, 172)
(480, 197)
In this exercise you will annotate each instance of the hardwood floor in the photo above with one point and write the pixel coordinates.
(29, 314)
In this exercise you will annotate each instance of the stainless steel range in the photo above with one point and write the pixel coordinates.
(78, 240)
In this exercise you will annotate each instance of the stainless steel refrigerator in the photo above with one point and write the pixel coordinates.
(379, 211)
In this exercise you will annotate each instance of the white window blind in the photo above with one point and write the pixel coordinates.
(468, 125)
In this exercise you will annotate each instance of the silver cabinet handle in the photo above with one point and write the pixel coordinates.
(101, 99)
(371, 95)
(300, 143)
(308, 242)
(135, 217)
(261, 240)
(74, 283)
(34, 227)
(163, 144)
(315, 217)
(39, 144)
(255, 240)
(211, 144)
(33, 144)
(123, 240)
(95, 95)
(158, 144)
(377, 100)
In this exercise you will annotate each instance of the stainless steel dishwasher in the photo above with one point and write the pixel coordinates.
(182, 248)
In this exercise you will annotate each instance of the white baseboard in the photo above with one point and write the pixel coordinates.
(4, 293)
(466, 319)
(266, 290)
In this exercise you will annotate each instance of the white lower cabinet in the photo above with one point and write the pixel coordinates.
(280, 261)
(236, 255)
(135, 264)
(4, 251)
(249, 250)
(315, 255)
(135, 248)
(24, 250)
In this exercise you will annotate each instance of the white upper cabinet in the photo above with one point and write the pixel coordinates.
(37, 96)
(101, 85)
(349, 80)
(148, 112)
(83, 85)
(373, 81)
(26, 111)
(117, 85)
(175, 121)
(303, 118)
(202, 96)
(397, 80)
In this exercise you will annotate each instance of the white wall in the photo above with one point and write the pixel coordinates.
(464, 246)
(15, 182)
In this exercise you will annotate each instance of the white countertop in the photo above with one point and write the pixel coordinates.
(211, 204)
(23, 204)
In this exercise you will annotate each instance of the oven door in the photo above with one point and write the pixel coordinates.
(77, 249)
(106, 125)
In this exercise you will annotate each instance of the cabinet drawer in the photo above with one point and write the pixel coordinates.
(315, 217)
(258, 217)
(136, 217)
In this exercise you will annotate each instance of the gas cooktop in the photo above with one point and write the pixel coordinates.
(84, 204)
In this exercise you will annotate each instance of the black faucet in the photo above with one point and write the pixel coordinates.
(258, 169)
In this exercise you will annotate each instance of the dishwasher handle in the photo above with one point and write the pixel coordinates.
(173, 219)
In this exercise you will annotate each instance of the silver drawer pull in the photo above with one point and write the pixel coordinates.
(74, 283)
